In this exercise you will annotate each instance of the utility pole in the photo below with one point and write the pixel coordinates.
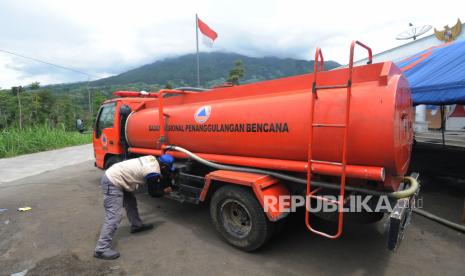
(89, 100)
(197, 44)
(18, 92)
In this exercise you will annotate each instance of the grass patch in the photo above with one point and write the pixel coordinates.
(34, 139)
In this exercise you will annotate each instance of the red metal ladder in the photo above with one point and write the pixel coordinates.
(312, 194)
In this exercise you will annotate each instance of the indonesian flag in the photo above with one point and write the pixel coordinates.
(208, 35)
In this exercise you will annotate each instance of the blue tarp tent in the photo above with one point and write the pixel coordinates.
(437, 75)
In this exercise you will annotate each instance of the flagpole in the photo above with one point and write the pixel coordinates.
(197, 44)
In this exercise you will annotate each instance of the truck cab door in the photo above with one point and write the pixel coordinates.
(105, 133)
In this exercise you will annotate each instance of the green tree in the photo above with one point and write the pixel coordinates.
(65, 115)
(98, 99)
(46, 113)
(8, 110)
(27, 108)
(35, 85)
(236, 73)
(169, 85)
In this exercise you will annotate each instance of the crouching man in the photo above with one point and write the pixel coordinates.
(118, 184)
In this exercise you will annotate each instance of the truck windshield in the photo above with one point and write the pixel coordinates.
(105, 118)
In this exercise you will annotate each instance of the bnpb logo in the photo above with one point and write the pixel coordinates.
(104, 140)
(202, 114)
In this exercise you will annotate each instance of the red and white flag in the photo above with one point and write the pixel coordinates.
(208, 35)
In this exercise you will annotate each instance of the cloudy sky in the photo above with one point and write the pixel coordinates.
(103, 38)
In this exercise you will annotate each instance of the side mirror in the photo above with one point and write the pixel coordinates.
(80, 126)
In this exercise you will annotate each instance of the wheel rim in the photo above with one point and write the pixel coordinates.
(235, 218)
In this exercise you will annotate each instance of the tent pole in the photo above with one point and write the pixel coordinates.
(443, 124)
(463, 216)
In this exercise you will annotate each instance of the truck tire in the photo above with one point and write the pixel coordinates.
(239, 218)
(111, 161)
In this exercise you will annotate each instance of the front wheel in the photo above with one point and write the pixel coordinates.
(111, 161)
(240, 218)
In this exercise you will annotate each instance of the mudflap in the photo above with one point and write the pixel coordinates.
(263, 186)
(399, 218)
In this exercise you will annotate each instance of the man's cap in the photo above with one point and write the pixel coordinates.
(167, 160)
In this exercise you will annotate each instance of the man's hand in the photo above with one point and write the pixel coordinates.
(167, 190)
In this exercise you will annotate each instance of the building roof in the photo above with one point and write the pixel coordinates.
(412, 47)
(437, 75)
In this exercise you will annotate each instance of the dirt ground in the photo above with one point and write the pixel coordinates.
(58, 235)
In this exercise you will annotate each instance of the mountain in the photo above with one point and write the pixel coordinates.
(214, 69)
(67, 101)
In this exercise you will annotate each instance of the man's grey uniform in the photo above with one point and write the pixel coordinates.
(118, 184)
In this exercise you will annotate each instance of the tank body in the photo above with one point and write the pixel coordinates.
(271, 119)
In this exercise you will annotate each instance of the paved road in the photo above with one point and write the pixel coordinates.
(451, 138)
(60, 232)
(31, 164)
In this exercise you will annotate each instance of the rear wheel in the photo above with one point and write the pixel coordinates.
(240, 218)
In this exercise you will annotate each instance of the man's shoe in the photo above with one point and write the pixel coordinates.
(143, 227)
(109, 254)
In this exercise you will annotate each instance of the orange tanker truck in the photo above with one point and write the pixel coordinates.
(247, 150)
